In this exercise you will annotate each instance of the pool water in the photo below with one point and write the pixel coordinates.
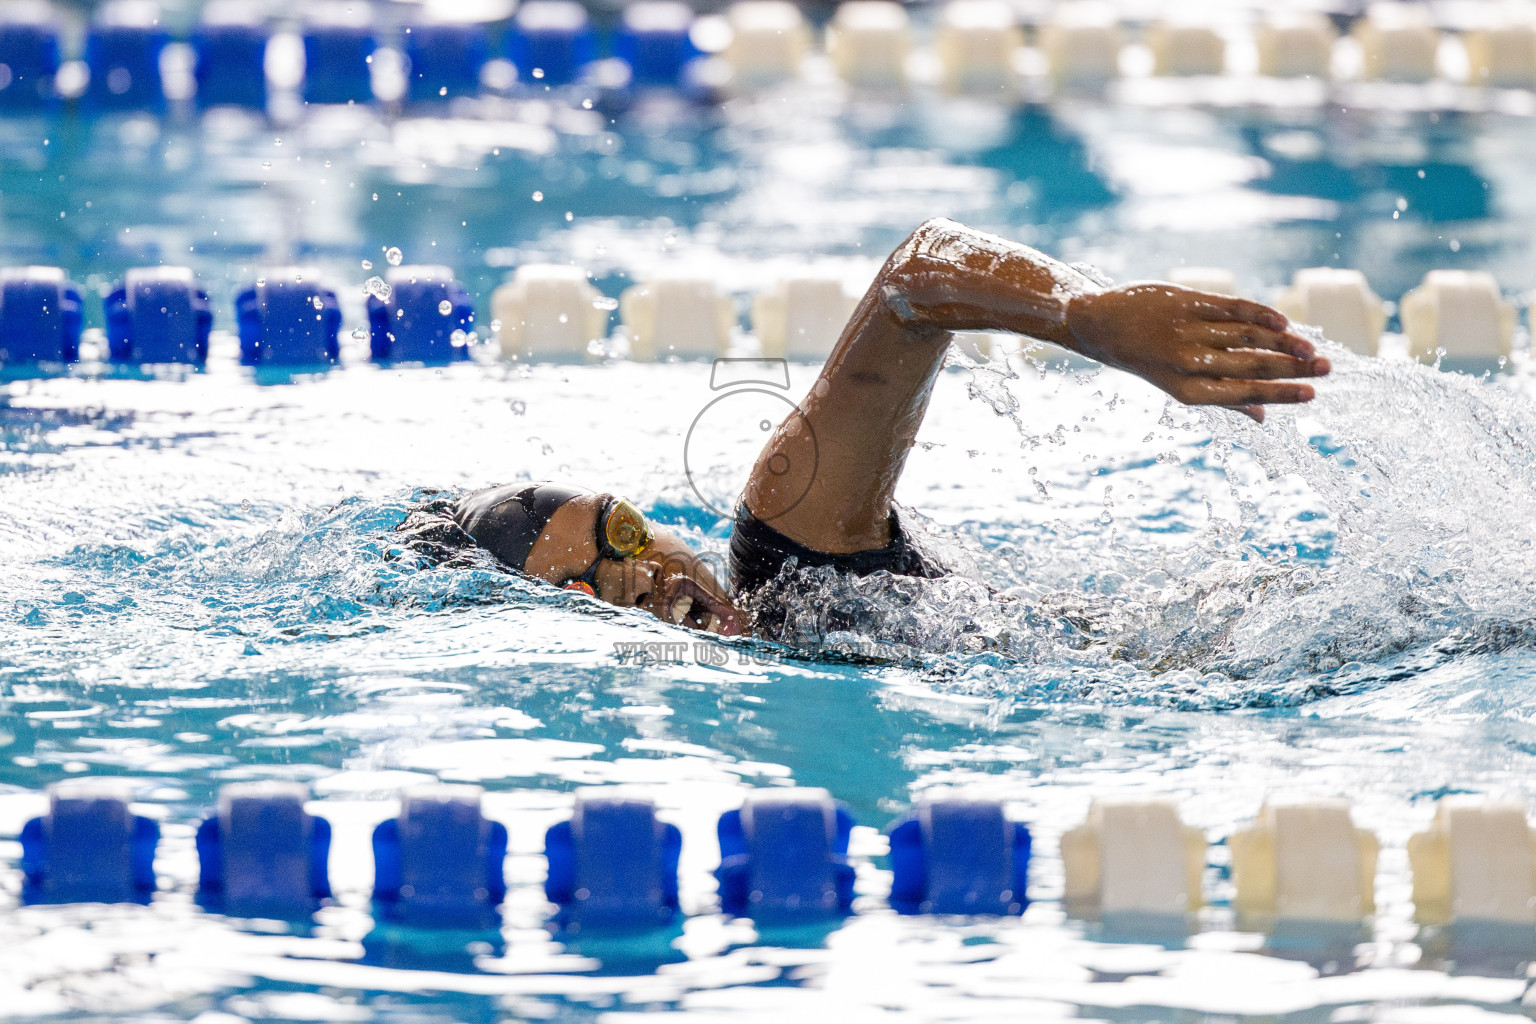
(1188, 605)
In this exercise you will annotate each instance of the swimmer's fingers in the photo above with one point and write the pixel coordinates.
(1238, 394)
(1244, 335)
(1221, 308)
(1247, 363)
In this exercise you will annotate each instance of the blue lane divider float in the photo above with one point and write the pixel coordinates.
(288, 318)
(89, 848)
(339, 43)
(262, 853)
(653, 39)
(953, 856)
(613, 864)
(550, 41)
(440, 861)
(784, 855)
(123, 52)
(445, 59)
(158, 315)
(40, 316)
(231, 47)
(424, 317)
(783, 858)
(29, 56)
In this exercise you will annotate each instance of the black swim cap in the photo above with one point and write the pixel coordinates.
(507, 520)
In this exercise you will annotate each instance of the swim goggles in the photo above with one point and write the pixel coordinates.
(622, 532)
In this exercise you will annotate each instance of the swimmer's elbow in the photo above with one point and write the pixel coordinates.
(918, 274)
(933, 239)
(937, 227)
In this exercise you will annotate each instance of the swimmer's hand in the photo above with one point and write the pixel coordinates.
(1202, 349)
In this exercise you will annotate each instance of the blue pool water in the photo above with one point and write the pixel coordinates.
(1335, 603)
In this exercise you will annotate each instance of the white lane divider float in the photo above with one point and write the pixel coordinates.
(978, 45)
(801, 316)
(1476, 862)
(1082, 41)
(1186, 43)
(1305, 861)
(1296, 44)
(1398, 42)
(769, 40)
(1340, 302)
(1460, 312)
(1502, 53)
(677, 314)
(1133, 857)
(548, 311)
(869, 41)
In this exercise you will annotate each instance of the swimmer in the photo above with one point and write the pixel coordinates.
(822, 491)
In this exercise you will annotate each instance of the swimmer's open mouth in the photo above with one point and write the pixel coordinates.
(695, 608)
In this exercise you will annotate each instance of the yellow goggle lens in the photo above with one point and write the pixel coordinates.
(626, 530)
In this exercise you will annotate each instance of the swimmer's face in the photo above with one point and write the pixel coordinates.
(668, 579)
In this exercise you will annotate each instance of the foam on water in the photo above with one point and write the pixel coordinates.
(1363, 538)
(1344, 549)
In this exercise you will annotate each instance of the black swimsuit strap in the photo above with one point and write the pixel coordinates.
(758, 551)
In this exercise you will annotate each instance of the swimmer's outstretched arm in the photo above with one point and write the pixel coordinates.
(832, 489)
